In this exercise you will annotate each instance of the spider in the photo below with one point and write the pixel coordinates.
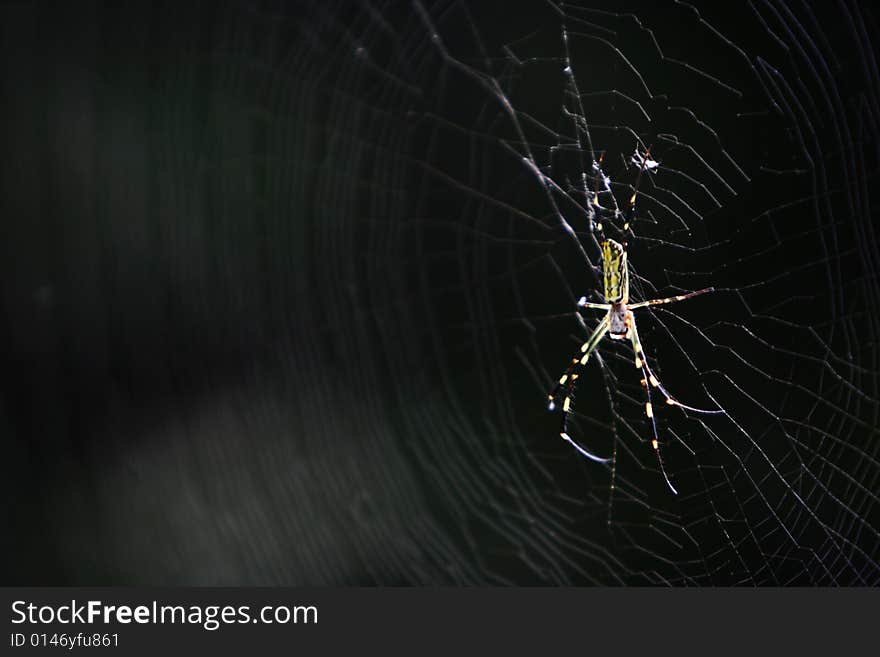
(619, 322)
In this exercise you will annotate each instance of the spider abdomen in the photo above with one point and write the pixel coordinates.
(615, 277)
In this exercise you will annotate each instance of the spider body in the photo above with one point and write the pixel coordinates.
(615, 274)
(618, 321)
(615, 278)
(619, 324)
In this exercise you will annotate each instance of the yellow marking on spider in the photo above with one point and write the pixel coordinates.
(632, 199)
(649, 410)
(563, 379)
(638, 362)
(585, 346)
(566, 404)
(584, 359)
(637, 347)
(653, 380)
(615, 278)
(671, 402)
(654, 443)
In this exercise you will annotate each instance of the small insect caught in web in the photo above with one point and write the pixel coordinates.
(619, 322)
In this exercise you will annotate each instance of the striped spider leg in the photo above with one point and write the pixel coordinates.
(618, 324)
(568, 380)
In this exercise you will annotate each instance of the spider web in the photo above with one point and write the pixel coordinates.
(762, 192)
(359, 232)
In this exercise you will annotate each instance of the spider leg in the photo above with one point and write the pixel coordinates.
(650, 379)
(655, 441)
(629, 213)
(642, 364)
(568, 381)
(680, 297)
(583, 303)
(598, 168)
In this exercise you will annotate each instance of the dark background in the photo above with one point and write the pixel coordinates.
(281, 303)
